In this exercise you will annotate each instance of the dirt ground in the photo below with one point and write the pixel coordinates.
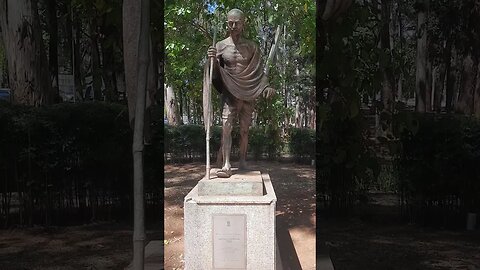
(372, 238)
(375, 238)
(89, 247)
(295, 189)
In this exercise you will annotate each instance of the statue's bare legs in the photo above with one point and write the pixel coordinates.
(245, 121)
(226, 170)
(231, 108)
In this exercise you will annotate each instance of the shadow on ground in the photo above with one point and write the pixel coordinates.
(96, 246)
(374, 237)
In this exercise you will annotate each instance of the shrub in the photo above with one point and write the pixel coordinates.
(71, 163)
(438, 162)
(346, 165)
(302, 144)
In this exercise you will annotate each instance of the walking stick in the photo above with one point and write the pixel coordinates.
(209, 108)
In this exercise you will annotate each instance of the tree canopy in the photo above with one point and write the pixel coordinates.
(189, 32)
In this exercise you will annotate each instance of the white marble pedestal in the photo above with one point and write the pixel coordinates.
(230, 224)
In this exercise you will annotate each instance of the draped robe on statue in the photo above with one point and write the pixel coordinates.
(245, 85)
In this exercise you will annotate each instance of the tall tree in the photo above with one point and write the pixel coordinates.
(171, 110)
(421, 63)
(138, 146)
(95, 58)
(386, 65)
(476, 97)
(3, 63)
(465, 97)
(53, 47)
(131, 24)
(29, 79)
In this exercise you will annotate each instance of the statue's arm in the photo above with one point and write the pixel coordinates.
(217, 60)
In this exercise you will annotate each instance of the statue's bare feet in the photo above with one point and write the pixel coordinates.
(243, 165)
(224, 172)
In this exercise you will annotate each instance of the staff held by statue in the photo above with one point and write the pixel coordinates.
(207, 106)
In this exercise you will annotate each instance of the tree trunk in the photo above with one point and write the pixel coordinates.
(95, 58)
(108, 65)
(131, 24)
(439, 79)
(428, 90)
(400, 41)
(457, 82)
(465, 98)
(3, 65)
(284, 76)
(476, 96)
(171, 106)
(449, 77)
(421, 62)
(400, 88)
(121, 88)
(298, 113)
(298, 107)
(143, 53)
(28, 77)
(313, 115)
(77, 61)
(441, 90)
(386, 66)
(52, 48)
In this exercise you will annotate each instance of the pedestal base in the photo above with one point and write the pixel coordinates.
(240, 184)
(231, 231)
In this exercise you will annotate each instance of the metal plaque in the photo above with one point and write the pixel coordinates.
(229, 241)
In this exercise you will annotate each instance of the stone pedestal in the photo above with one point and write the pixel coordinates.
(230, 224)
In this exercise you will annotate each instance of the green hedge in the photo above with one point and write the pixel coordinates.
(70, 163)
(346, 163)
(439, 172)
(302, 143)
(188, 142)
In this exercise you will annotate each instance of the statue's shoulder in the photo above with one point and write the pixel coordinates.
(222, 43)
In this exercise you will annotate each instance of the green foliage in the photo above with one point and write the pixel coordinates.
(55, 154)
(256, 142)
(265, 140)
(302, 143)
(271, 112)
(188, 142)
(189, 32)
(438, 160)
(346, 164)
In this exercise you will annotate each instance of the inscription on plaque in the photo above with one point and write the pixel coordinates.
(229, 242)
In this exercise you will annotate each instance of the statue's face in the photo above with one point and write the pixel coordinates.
(235, 22)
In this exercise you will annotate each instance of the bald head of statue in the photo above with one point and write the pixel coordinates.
(235, 21)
